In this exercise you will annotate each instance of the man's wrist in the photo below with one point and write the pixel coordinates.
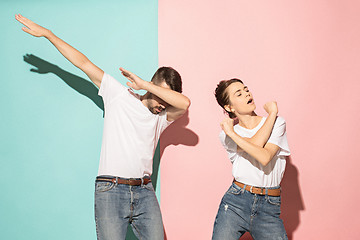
(146, 86)
(49, 34)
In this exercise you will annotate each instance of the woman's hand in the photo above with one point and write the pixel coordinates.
(228, 126)
(271, 107)
(32, 28)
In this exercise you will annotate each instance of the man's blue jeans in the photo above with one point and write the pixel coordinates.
(241, 211)
(118, 205)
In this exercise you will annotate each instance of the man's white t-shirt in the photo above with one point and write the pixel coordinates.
(131, 132)
(247, 169)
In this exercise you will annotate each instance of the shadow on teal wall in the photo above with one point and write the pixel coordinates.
(50, 134)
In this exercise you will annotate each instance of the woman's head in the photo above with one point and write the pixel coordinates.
(234, 97)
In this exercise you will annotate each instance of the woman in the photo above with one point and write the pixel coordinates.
(257, 148)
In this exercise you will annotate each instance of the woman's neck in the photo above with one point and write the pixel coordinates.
(249, 121)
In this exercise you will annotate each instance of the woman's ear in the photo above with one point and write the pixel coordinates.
(228, 108)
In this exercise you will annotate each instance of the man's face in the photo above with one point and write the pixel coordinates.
(155, 104)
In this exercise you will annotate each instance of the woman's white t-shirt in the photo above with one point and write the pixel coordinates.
(247, 169)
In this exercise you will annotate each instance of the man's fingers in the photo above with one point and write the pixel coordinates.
(21, 19)
(131, 85)
(25, 29)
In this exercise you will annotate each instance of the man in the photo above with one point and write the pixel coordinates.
(132, 126)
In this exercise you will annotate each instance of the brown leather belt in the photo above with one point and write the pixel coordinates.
(260, 191)
(128, 181)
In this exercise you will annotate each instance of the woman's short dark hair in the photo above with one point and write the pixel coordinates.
(222, 96)
(170, 76)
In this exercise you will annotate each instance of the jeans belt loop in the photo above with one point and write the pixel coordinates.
(116, 181)
(251, 189)
(142, 182)
(266, 191)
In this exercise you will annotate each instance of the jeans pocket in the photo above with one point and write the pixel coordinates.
(103, 186)
(149, 186)
(234, 189)
(274, 200)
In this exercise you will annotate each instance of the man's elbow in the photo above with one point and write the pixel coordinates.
(187, 104)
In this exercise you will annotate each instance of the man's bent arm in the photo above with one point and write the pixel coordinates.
(74, 56)
(178, 102)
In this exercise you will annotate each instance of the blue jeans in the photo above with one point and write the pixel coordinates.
(118, 205)
(241, 211)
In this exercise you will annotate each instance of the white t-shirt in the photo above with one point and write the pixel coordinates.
(247, 169)
(131, 132)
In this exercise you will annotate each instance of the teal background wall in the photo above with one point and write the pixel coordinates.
(51, 130)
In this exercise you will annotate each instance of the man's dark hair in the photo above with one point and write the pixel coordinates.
(170, 76)
(222, 96)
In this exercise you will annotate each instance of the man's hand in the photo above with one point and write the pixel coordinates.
(271, 107)
(228, 126)
(31, 27)
(135, 82)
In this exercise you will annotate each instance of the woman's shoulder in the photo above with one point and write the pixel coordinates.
(280, 120)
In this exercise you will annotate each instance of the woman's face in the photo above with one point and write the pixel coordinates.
(241, 99)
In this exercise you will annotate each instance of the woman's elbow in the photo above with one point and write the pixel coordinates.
(265, 159)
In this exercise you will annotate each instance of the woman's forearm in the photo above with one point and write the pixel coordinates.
(262, 136)
(261, 154)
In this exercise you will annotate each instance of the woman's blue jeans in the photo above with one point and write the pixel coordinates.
(241, 211)
(118, 205)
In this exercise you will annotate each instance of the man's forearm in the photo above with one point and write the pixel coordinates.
(77, 58)
(69, 52)
(173, 98)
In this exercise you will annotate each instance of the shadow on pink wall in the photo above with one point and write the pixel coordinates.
(292, 202)
(177, 133)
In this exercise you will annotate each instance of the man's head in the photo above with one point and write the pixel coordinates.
(165, 77)
(170, 76)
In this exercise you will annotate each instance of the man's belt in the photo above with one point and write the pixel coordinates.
(260, 191)
(127, 181)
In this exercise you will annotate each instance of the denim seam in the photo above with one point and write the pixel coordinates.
(137, 230)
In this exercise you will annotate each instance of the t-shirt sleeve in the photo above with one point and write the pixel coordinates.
(163, 122)
(279, 138)
(110, 88)
(229, 145)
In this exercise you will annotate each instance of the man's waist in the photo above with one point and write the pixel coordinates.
(120, 180)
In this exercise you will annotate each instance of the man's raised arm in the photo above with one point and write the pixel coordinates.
(74, 56)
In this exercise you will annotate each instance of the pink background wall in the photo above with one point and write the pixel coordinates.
(305, 55)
